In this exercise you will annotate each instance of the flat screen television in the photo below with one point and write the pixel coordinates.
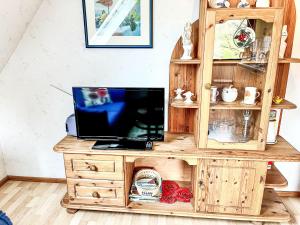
(119, 113)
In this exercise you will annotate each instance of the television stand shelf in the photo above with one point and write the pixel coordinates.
(101, 180)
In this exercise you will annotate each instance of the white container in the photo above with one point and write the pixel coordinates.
(229, 94)
(219, 3)
(263, 3)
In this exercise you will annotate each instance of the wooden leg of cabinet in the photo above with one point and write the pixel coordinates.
(72, 211)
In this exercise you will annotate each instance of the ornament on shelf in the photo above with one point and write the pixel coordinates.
(244, 4)
(178, 92)
(219, 3)
(188, 97)
(244, 35)
(283, 44)
(187, 42)
(263, 3)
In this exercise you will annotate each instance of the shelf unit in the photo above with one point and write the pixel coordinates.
(229, 181)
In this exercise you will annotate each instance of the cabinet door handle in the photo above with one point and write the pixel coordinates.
(96, 194)
(208, 86)
(93, 168)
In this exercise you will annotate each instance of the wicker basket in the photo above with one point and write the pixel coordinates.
(144, 175)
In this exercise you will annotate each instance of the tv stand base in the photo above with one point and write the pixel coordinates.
(273, 210)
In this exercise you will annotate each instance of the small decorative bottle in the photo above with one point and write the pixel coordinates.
(247, 115)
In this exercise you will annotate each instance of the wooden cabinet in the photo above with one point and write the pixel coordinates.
(231, 186)
(228, 179)
(225, 184)
(95, 167)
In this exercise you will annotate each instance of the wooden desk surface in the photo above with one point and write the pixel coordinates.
(180, 145)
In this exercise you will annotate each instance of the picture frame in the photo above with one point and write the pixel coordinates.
(118, 23)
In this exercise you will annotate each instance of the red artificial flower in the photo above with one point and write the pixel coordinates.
(169, 188)
(184, 195)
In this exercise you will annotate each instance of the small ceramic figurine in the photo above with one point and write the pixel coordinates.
(178, 92)
(283, 44)
(219, 3)
(187, 42)
(244, 4)
(188, 97)
(263, 3)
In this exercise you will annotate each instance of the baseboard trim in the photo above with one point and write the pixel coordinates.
(3, 181)
(38, 179)
(291, 194)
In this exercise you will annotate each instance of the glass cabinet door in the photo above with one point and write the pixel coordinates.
(239, 69)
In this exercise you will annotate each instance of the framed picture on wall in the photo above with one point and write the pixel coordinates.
(118, 23)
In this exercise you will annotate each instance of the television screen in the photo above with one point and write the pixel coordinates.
(123, 113)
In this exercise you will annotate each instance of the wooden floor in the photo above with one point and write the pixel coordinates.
(29, 203)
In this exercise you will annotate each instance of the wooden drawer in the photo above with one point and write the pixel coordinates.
(100, 192)
(94, 166)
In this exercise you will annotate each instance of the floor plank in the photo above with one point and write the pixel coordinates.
(28, 203)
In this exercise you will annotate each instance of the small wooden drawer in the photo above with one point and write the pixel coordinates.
(94, 166)
(100, 192)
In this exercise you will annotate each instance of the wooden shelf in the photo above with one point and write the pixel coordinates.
(178, 206)
(285, 105)
(182, 146)
(289, 60)
(239, 61)
(273, 210)
(239, 106)
(186, 62)
(275, 179)
(182, 105)
(235, 61)
(234, 106)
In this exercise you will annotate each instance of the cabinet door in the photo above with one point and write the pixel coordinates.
(231, 186)
(239, 70)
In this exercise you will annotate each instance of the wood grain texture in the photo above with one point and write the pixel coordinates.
(95, 167)
(3, 181)
(275, 179)
(273, 210)
(231, 186)
(96, 192)
(183, 146)
(37, 179)
(182, 75)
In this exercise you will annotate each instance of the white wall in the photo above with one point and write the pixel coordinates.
(290, 128)
(52, 51)
(14, 18)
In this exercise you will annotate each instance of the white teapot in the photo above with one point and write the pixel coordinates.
(229, 94)
(219, 3)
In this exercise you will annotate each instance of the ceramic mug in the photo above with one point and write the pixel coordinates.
(251, 94)
(214, 93)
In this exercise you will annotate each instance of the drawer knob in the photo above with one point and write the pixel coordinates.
(93, 168)
(96, 194)
(208, 86)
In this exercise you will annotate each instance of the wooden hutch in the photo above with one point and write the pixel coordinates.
(228, 180)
